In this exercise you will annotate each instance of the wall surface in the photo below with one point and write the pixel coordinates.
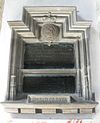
(1, 11)
(87, 10)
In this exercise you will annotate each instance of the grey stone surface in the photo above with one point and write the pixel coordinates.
(1, 11)
(77, 33)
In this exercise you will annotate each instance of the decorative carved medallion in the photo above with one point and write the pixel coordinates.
(49, 32)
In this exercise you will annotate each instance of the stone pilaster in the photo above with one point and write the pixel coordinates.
(82, 67)
(13, 87)
(77, 66)
(13, 69)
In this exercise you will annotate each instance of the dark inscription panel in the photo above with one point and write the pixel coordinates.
(44, 56)
(49, 84)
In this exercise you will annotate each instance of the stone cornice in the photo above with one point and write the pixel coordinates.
(66, 20)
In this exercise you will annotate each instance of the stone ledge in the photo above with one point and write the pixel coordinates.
(72, 108)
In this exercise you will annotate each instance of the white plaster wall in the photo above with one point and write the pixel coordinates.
(86, 10)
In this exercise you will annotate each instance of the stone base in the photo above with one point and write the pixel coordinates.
(29, 108)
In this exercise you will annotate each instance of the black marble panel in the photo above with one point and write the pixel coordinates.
(44, 56)
(49, 84)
